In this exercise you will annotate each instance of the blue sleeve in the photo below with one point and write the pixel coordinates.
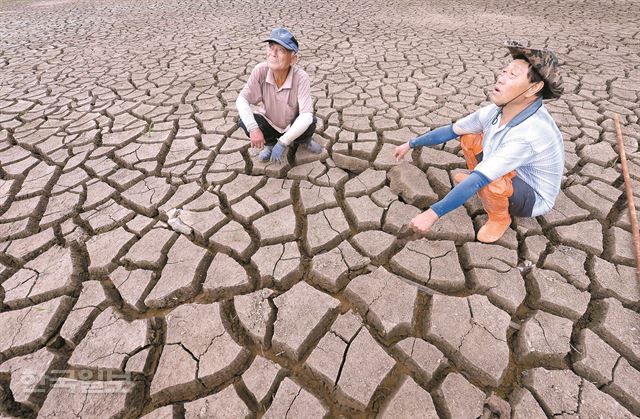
(459, 195)
(437, 136)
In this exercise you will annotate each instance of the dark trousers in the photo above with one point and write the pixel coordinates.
(271, 135)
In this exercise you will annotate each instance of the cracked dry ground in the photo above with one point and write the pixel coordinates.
(298, 293)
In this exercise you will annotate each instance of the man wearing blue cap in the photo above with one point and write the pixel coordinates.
(284, 92)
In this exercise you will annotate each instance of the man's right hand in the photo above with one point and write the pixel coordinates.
(422, 223)
(401, 150)
(257, 139)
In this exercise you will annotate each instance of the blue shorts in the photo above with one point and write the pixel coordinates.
(523, 198)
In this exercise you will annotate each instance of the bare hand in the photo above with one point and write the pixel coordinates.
(421, 223)
(401, 151)
(257, 139)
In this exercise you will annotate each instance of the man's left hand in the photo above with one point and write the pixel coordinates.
(421, 223)
(278, 152)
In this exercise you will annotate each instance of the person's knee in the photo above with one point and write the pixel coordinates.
(307, 133)
(312, 128)
(263, 124)
(244, 128)
(471, 143)
(502, 186)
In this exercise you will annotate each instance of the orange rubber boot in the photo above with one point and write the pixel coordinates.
(495, 200)
(471, 146)
(494, 196)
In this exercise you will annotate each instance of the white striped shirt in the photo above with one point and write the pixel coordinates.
(533, 147)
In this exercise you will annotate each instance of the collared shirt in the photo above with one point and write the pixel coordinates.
(531, 144)
(281, 105)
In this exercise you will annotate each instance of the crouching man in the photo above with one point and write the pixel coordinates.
(283, 90)
(513, 147)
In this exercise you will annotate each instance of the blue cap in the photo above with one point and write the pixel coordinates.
(283, 37)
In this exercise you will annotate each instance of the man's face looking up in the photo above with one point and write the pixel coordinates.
(512, 81)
